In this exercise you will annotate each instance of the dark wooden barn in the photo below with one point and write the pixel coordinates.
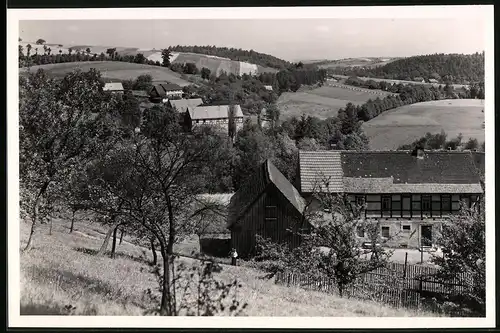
(268, 205)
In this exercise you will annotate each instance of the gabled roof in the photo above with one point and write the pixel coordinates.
(113, 86)
(318, 168)
(213, 112)
(267, 174)
(181, 105)
(391, 171)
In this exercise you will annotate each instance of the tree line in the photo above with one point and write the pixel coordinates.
(445, 68)
(439, 142)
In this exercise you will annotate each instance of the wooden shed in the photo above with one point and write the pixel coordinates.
(267, 205)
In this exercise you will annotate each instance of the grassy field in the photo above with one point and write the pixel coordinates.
(113, 70)
(404, 125)
(325, 101)
(352, 62)
(62, 270)
(455, 86)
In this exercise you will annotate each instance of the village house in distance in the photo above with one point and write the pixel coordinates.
(409, 193)
(162, 92)
(217, 115)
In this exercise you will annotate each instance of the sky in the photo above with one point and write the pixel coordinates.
(288, 39)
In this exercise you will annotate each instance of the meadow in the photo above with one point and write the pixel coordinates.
(113, 70)
(406, 124)
(325, 101)
(62, 275)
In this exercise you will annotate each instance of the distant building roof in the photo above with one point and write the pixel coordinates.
(391, 171)
(268, 87)
(433, 81)
(213, 112)
(113, 86)
(182, 104)
(162, 88)
(255, 186)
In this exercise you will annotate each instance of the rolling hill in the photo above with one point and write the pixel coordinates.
(369, 62)
(112, 70)
(457, 68)
(406, 124)
(325, 101)
(215, 63)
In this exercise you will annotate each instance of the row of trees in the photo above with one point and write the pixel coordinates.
(446, 68)
(438, 142)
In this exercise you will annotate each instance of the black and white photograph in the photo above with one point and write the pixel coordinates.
(319, 163)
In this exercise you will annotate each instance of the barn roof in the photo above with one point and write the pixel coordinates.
(392, 171)
(140, 93)
(181, 105)
(249, 192)
(163, 88)
(213, 112)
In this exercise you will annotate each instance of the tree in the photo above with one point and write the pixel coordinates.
(205, 73)
(471, 144)
(139, 58)
(40, 41)
(190, 68)
(165, 55)
(88, 50)
(272, 115)
(111, 52)
(62, 125)
(143, 82)
(464, 252)
(231, 122)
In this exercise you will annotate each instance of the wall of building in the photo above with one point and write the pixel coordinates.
(270, 216)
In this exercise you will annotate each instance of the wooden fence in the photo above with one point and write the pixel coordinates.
(414, 288)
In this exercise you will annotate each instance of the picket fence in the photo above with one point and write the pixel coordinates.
(415, 287)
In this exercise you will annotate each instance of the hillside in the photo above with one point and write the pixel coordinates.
(369, 62)
(405, 124)
(237, 62)
(455, 68)
(253, 57)
(113, 70)
(325, 101)
(97, 285)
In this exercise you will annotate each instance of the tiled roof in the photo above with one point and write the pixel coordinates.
(213, 112)
(318, 168)
(255, 185)
(436, 167)
(391, 171)
(140, 93)
(181, 105)
(113, 86)
(163, 88)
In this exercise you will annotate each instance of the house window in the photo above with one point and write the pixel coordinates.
(360, 200)
(385, 232)
(271, 212)
(406, 228)
(406, 203)
(386, 203)
(426, 203)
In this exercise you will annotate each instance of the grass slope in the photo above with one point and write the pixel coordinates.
(406, 124)
(325, 101)
(62, 270)
(113, 70)
(352, 62)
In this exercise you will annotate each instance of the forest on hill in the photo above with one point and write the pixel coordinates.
(445, 68)
(251, 56)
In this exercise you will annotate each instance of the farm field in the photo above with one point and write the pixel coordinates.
(325, 101)
(62, 270)
(352, 62)
(406, 124)
(113, 70)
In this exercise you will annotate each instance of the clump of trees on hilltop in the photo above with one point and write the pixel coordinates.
(439, 142)
(445, 68)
